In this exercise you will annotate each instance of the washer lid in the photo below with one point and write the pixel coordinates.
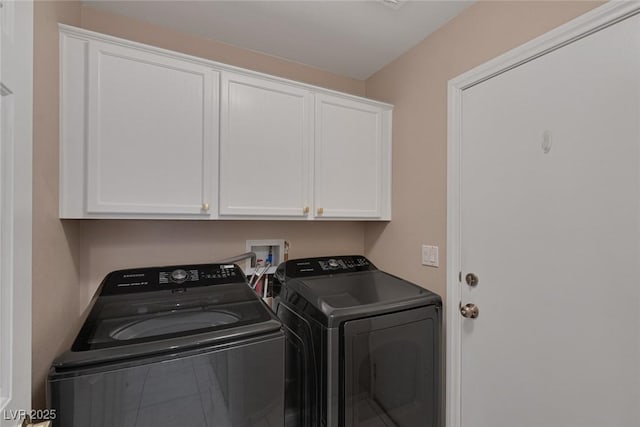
(346, 296)
(141, 324)
(144, 311)
(119, 320)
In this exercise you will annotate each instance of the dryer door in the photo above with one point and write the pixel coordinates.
(392, 369)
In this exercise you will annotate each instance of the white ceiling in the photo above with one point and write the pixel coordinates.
(353, 38)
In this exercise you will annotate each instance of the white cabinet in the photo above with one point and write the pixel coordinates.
(145, 127)
(266, 132)
(279, 159)
(352, 158)
(150, 133)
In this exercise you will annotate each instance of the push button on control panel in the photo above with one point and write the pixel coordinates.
(222, 272)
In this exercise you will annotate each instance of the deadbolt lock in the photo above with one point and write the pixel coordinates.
(471, 279)
(470, 311)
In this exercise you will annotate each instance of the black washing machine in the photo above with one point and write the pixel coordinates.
(363, 347)
(187, 345)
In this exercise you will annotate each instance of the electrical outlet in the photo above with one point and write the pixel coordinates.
(430, 256)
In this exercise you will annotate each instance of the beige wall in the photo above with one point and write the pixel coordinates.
(71, 257)
(109, 244)
(55, 244)
(416, 83)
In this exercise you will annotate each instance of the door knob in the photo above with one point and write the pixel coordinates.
(470, 311)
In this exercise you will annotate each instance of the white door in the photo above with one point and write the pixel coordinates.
(16, 82)
(550, 226)
(265, 145)
(349, 153)
(152, 133)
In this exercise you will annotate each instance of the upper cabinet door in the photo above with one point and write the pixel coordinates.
(151, 130)
(352, 157)
(265, 145)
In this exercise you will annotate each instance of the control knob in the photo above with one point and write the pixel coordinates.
(333, 263)
(179, 276)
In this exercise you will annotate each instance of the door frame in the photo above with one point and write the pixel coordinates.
(16, 218)
(584, 25)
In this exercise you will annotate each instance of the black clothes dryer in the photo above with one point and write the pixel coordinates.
(173, 346)
(363, 348)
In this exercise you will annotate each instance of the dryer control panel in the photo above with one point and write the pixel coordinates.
(323, 266)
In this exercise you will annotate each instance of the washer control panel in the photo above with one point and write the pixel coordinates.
(171, 277)
(323, 266)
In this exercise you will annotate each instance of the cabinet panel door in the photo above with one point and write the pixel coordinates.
(348, 158)
(264, 147)
(151, 133)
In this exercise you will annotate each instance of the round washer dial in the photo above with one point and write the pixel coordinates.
(179, 276)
